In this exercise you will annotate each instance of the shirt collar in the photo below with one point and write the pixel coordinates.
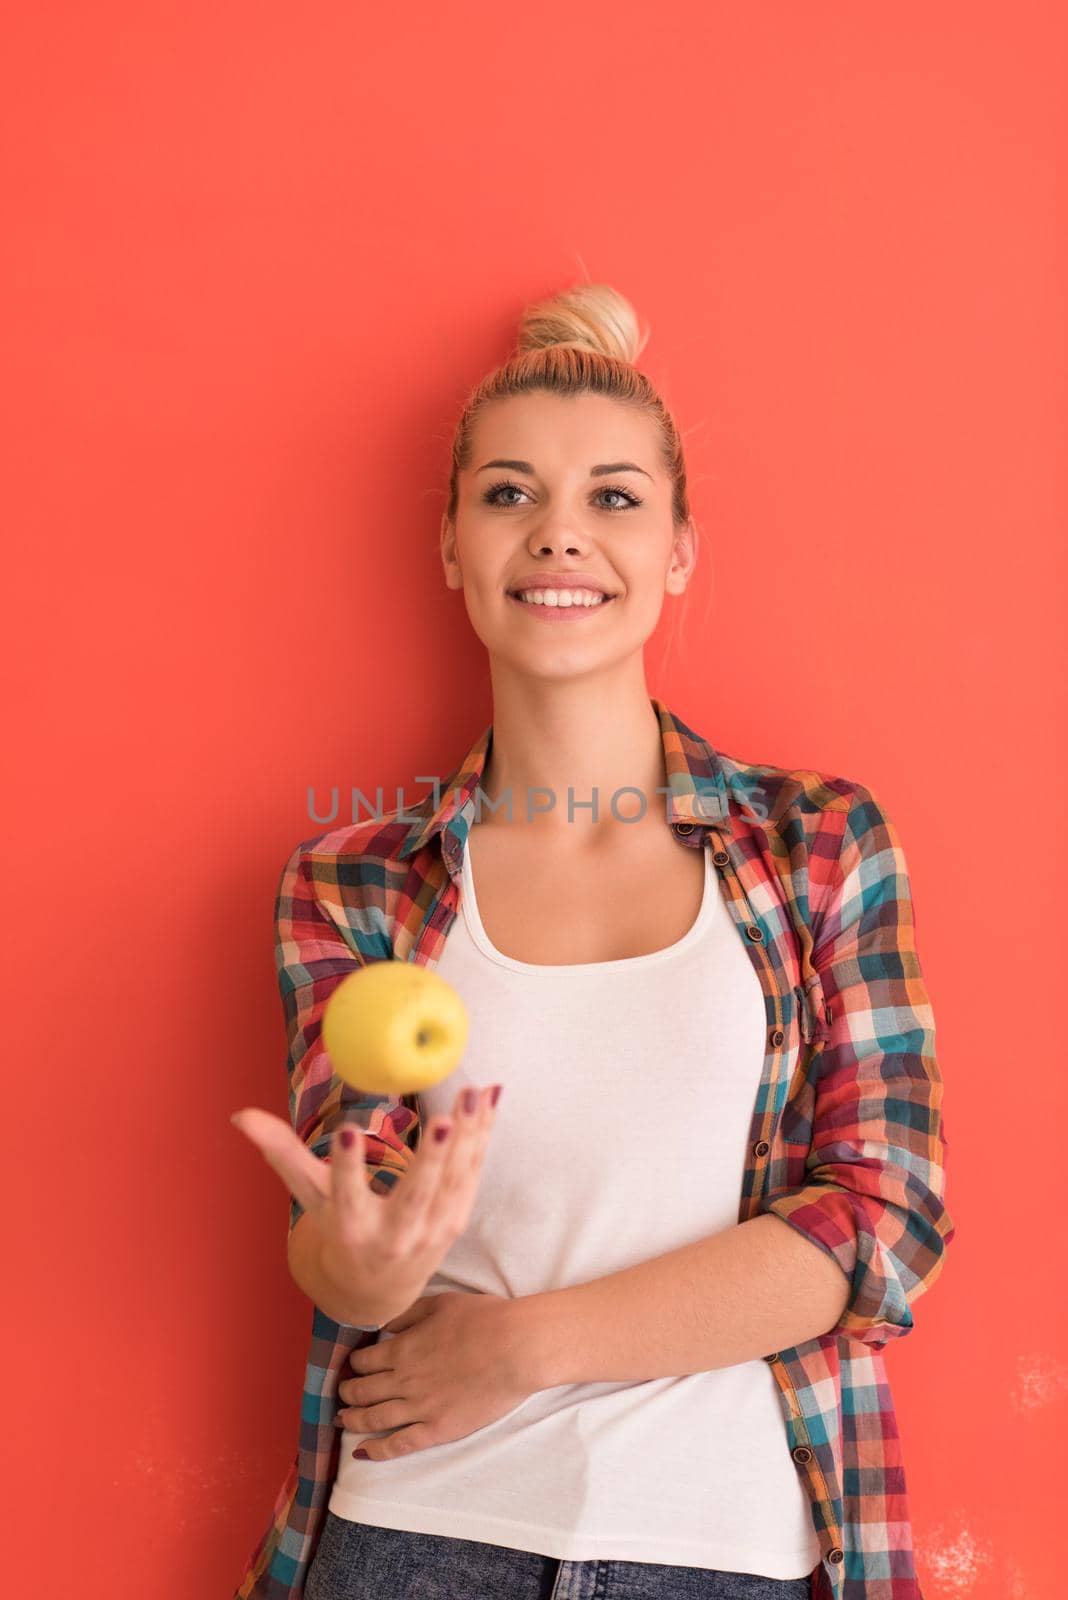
(695, 779)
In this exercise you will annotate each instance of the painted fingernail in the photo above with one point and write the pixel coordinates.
(496, 1095)
(441, 1132)
(361, 1455)
(470, 1100)
(348, 1138)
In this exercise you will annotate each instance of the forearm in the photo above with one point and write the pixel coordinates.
(736, 1296)
(304, 1256)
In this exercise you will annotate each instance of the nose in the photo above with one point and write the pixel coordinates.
(550, 538)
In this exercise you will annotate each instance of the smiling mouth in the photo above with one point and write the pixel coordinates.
(555, 605)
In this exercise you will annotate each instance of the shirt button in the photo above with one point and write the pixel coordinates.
(685, 827)
(777, 1037)
(762, 1148)
(754, 933)
(721, 858)
(802, 1453)
(774, 1356)
(835, 1554)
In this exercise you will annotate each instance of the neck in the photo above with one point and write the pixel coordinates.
(579, 736)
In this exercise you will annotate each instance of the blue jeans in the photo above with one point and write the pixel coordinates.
(356, 1561)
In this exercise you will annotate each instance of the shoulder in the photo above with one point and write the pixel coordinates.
(372, 839)
(832, 830)
(802, 801)
(355, 870)
(375, 840)
(828, 840)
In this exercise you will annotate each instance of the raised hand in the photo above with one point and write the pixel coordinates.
(382, 1250)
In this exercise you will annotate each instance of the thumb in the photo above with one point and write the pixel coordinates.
(416, 1312)
(285, 1153)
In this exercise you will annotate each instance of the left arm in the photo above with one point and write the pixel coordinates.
(459, 1361)
(850, 1248)
(736, 1296)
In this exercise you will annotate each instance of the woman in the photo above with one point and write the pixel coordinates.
(618, 1332)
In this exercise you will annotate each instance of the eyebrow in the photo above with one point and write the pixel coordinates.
(595, 472)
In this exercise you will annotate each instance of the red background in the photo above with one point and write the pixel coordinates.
(254, 257)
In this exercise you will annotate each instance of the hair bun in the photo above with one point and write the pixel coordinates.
(589, 316)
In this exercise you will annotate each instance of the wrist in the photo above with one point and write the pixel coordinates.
(529, 1322)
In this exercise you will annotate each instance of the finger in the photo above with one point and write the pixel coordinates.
(459, 1180)
(416, 1436)
(303, 1174)
(432, 1176)
(419, 1190)
(350, 1185)
(424, 1187)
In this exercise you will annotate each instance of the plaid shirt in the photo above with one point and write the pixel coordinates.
(846, 1143)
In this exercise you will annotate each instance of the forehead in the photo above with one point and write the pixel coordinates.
(562, 432)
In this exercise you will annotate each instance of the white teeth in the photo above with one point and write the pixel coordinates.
(562, 597)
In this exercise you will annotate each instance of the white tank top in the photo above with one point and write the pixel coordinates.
(628, 1092)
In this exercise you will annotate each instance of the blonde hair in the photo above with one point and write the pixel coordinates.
(583, 340)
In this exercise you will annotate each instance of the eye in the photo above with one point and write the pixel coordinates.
(491, 495)
(631, 499)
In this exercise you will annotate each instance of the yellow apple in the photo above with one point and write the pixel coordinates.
(394, 1027)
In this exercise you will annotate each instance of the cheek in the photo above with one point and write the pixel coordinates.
(645, 599)
(486, 586)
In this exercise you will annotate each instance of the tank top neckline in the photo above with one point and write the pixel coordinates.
(482, 941)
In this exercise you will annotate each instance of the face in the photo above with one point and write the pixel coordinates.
(551, 510)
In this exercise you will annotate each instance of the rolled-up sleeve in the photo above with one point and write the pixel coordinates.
(313, 953)
(874, 1190)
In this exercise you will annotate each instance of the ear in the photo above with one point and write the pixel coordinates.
(683, 558)
(450, 559)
